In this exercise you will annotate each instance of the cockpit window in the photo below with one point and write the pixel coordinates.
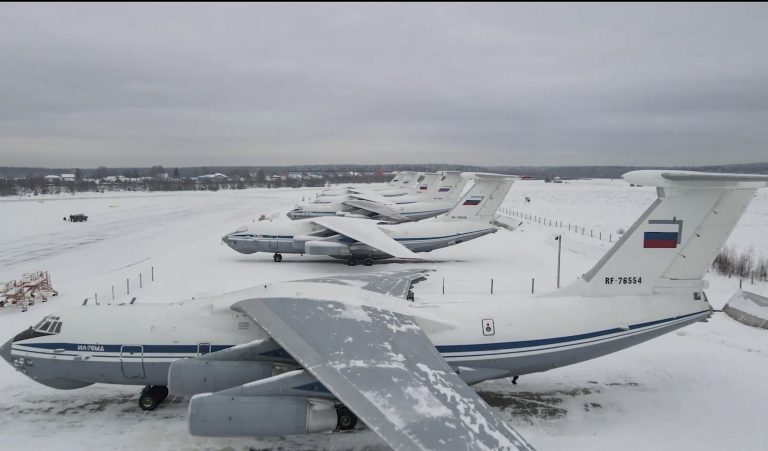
(49, 324)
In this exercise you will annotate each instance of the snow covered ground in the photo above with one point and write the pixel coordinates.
(700, 388)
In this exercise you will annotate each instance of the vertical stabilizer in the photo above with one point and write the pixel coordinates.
(676, 239)
(449, 187)
(427, 184)
(483, 199)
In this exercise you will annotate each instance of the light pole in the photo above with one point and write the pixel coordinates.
(559, 239)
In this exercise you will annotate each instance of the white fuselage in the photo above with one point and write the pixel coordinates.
(290, 237)
(482, 336)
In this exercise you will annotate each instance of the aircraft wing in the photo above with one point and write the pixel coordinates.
(379, 209)
(365, 231)
(382, 366)
(392, 283)
(371, 197)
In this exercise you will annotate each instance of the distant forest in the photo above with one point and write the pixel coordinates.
(564, 172)
(28, 180)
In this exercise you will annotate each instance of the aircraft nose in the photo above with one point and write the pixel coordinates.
(227, 240)
(5, 351)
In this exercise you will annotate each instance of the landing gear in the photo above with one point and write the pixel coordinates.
(368, 261)
(151, 396)
(277, 258)
(351, 262)
(347, 419)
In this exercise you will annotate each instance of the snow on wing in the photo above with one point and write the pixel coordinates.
(365, 231)
(383, 367)
(372, 197)
(392, 283)
(373, 207)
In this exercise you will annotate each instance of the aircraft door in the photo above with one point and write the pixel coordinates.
(203, 348)
(132, 361)
(273, 243)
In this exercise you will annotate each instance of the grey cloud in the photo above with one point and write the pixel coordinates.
(486, 84)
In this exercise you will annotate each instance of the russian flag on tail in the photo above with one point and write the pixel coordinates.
(663, 240)
(474, 200)
(423, 187)
(657, 240)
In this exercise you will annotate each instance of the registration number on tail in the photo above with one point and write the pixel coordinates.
(633, 280)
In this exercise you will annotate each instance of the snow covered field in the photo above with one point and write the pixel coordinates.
(700, 388)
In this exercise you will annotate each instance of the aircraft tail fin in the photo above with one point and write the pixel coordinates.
(449, 186)
(395, 179)
(427, 184)
(483, 199)
(676, 239)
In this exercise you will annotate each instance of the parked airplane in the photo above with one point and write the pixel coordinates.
(364, 239)
(313, 355)
(404, 182)
(435, 195)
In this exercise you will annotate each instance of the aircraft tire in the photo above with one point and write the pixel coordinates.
(152, 396)
(347, 419)
(368, 261)
(162, 391)
(277, 258)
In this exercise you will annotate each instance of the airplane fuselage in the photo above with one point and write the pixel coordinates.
(485, 337)
(290, 237)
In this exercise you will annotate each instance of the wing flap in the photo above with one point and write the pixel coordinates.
(381, 365)
(367, 232)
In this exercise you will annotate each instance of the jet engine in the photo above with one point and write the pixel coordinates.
(212, 415)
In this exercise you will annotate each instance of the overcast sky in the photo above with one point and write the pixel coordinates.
(184, 85)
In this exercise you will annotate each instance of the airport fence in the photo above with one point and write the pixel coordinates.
(125, 290)
(590, 232)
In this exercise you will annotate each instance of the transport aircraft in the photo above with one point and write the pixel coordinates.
(435, 195)
(363, 239)
(402, 183)
(316, 355)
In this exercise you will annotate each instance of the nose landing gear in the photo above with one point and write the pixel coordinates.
(151, 396)
(277, 258)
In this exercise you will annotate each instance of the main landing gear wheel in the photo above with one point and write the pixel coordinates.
(347, 419)
(351, 262)
(151, 396)
(368, 261)
(277, 258)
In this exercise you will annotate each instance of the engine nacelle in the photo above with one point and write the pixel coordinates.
(332, 248)
(193, 376)
(212, 415)
(299, 241)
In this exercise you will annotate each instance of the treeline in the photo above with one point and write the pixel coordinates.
(564, 172)
(743, 264)
(33, 186)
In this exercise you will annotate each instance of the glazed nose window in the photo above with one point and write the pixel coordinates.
(49, 324)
